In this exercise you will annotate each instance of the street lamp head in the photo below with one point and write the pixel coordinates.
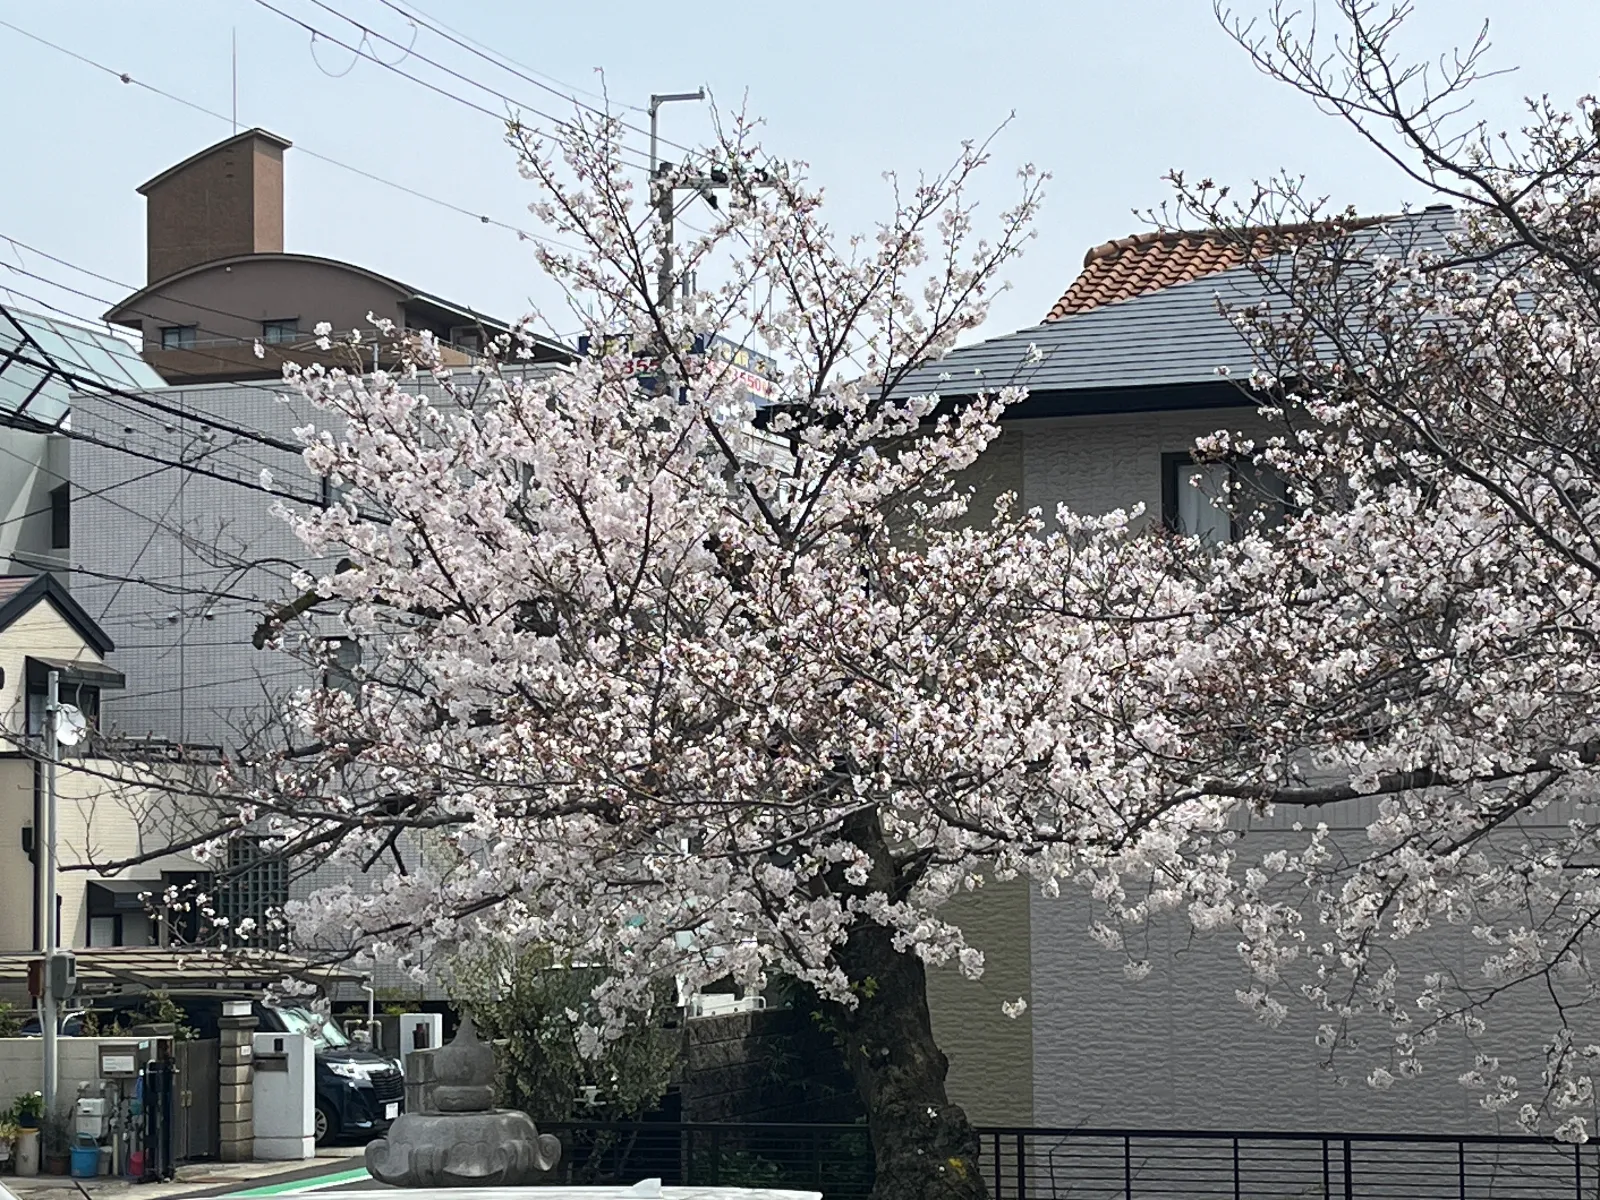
(657, 99)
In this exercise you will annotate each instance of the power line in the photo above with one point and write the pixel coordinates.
(89, 382)
(412, 13)
(432, 87)
(124, 77)
(72, 266)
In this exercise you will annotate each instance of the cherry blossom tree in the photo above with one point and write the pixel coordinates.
(659, 683)
(1416, 645)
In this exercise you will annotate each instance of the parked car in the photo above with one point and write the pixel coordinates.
(358, 1091)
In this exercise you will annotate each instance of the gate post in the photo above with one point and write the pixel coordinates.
(236, 1115)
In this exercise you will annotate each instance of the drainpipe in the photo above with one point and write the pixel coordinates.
(372, 1020)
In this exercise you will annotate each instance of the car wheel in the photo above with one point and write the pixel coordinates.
(327, 1125)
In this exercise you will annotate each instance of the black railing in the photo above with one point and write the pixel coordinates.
(1047, 1164)
(1099, 1164)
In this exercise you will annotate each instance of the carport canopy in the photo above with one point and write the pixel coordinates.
(112, 970)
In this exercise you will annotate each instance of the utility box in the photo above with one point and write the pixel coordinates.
(284, 1099)
(63, 971)
(91, 1116)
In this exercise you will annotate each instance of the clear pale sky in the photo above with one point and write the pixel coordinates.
(1108, 96)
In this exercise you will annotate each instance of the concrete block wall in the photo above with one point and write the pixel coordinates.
(22, 1066)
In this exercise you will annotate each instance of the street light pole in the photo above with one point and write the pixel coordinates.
(661, 197)
(47, 891)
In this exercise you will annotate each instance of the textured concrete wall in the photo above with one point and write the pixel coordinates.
(1001, 1070)
(1178, 1050)
(33, 465)
(991, 1055)
(1097, 464)
(179, 567)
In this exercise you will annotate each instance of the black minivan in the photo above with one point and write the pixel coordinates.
(358, 1091)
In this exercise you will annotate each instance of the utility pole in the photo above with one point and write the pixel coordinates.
(661, 193)
(47, 892)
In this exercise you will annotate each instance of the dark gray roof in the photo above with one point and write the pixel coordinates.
(1172, 337)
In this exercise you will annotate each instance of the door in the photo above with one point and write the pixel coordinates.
(199, 1099)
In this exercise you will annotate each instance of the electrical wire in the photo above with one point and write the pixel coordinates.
(87, 382)
(124, 77)
(413, 13)
(221, 360)
(513, 68)
(432, 87)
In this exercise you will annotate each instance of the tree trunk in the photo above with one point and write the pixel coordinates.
(924, 1147)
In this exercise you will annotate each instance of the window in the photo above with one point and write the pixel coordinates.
(61, 517)
(256, 884)
(277, 333)
(1217, 501)
(334, 490)
(178, 337)
(85, 698)
(342, 662)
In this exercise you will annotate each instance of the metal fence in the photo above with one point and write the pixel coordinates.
(1047, 1164)
(1099, 1164)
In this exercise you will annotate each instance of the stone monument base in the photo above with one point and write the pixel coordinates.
(497, 1148)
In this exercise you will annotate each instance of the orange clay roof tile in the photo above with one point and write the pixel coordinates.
(1148, 262)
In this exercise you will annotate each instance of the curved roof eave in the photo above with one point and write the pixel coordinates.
(113, 314)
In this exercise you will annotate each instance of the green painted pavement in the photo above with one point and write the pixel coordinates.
(315, 1183)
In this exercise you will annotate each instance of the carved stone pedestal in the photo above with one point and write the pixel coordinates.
(466, 1143)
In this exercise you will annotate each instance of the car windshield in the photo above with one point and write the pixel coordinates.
(322, 1032)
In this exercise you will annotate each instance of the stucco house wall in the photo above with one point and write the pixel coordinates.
(1177, 1049)
(1003, 1071)
(103, 806)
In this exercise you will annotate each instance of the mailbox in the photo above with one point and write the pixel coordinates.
(121, 1060)
(270, 1054)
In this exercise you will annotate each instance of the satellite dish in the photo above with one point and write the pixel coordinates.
(70, 725)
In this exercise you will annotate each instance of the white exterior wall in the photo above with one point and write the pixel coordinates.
(1176, 1050)
(31, 466)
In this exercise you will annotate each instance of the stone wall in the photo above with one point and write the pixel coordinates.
(763, 1066)
(236, 1085)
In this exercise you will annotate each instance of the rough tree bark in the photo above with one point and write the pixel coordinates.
(923, 1145)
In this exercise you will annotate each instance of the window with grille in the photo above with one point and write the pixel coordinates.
(281, 332)
(256, 885)
(178, 337)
